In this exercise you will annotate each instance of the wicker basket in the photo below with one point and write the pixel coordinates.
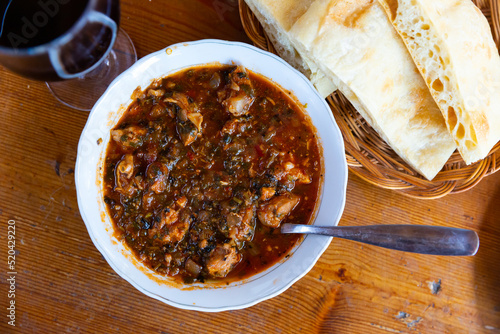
(369, 157)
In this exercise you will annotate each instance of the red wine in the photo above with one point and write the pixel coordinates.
(34, 23)
(31, 23)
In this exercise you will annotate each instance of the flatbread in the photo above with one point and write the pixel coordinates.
(451, 44)
(277, 17)
(355, 45)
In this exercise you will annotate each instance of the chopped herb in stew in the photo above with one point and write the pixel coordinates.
(204, 167)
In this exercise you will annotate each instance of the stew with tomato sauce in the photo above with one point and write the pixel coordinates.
(202, 169)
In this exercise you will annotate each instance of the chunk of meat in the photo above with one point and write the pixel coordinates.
(222, 260)
(181, 202)
(158, 111)
(187, 132)
(169, 216)
(203, 244)
(239, 103)
(288, 171)
(238, 77)
(192, 267)
(149, 201)
(181, 100)
(125, 167)
(139, 182)
(189, 120)
(297, 174)
(241, 226)
(235, 125)
(157, 176)
(124, 172)
(196, 118)
(168, 260)
(156, 92)
(273, 212)
(266, 193)
(175, 232)
(131, 137)
(239, 95)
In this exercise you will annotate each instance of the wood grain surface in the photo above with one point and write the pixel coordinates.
(65, 286)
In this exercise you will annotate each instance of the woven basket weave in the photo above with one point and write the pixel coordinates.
(370, 158)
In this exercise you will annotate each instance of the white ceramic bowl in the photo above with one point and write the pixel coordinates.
(92, 149)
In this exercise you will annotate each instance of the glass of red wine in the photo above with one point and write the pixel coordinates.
(76, 46)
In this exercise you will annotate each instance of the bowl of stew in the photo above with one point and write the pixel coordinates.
(191, 161)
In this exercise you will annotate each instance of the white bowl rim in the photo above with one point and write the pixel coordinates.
(123, 274)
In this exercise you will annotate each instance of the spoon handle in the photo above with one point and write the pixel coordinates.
(434, 240)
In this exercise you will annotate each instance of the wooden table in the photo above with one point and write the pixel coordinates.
(65, 285)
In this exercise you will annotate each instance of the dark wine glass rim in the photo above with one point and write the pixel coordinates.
(65, 37)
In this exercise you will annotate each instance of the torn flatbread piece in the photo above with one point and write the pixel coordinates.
(452, 46)
(277, 17)
(355, 45)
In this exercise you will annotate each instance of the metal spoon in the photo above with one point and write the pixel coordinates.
(434, 240)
